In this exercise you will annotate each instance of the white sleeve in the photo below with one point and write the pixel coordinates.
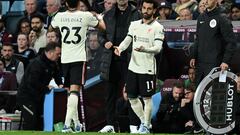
(125, 43)
(93, 21)
(155, 48)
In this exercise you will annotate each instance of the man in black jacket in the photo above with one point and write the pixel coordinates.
(117, 21)
(215, 41)
(35, 84)
(169, 118)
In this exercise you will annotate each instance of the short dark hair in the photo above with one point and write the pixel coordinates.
(20, 22)
(37, 16)
(51, 46)
(7, 44)
(178, 84)
(56, 31)
(191, 87)
(86, 2)
(72, 3)
(23, 34)
(235, 5)
(154, 2)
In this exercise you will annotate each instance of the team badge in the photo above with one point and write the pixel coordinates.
(213, 23)
(149, 30)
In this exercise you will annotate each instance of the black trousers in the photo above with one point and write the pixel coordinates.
(117, 77)
(32, 115)
(125, 115)
(202, 70)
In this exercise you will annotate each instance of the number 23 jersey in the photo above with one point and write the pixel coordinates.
(73, 27)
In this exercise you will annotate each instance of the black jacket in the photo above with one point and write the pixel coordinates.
(36, 78)
(110, 22)
(109, 35)
(187, 113)
(169, 115)
(215, 41)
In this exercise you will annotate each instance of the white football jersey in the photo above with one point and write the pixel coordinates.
(73, 27)
(150, 36)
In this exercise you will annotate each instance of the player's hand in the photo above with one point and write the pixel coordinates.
(117, 51)
(224, 66)
(189, 124)
(108, 45)
(139, 49)
(94, 13)
(60, 86)
(67, 88)
(192, 63)
(50, 87)
(98, 16)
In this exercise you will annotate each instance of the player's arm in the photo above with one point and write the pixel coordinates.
(157, 43)
(101, 25)
(157, 46)
(123, 45)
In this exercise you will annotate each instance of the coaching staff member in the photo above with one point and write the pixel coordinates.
(34, 86)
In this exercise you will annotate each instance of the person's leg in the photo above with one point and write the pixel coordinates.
(72, 110)
(74, 99)
(147, 111)
(202, 70)
(77, 79)
(69, 111)
(147, 89)
(137, 107)
(122, 115)
(74, 71)
(113, 90)
(132, 88)
(112, 93)
(133, 119)
(199, 74)
(29, 115)
(143, 114)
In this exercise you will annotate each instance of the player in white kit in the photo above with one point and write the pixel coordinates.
(73, 25)
(146, 36)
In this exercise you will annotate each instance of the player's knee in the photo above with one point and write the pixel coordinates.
(147, 102)
(74, 92)
(133, 100)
